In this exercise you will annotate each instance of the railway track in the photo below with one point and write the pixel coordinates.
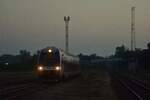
(10, 83)
(14, 92)
(136, 88)
(10, 79)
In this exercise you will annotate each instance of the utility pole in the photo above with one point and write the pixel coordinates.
(133, 41)
(67, 19)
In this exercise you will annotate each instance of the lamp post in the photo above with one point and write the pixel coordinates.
(67, 19)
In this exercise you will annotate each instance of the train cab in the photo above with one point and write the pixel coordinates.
(56, 63)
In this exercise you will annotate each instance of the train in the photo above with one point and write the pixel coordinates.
(55, 63)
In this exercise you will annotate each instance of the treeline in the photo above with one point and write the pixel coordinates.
(92, 60)
(141, 57)
(23, 61)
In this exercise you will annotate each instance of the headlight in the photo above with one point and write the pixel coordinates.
(40, 68)
(57, 68)
(49, 50)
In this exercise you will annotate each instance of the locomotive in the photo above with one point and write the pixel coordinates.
(55, 63)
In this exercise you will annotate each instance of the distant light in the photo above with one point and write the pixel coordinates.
(40, 68)
(6, 63)
(57, 68)
(49, 50)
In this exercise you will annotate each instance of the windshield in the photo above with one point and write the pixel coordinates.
(49, 59)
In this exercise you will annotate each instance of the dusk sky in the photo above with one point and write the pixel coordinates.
(96, 26)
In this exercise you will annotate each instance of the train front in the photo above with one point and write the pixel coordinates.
(49, 66)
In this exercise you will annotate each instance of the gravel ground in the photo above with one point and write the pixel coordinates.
(13, 78)
(90, 85)
(144, 76)
(16, 74)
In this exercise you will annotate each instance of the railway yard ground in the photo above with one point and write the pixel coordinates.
(92, 84)
(143, 76)
(131, 86)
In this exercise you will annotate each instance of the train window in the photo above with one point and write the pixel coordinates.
(49, 59)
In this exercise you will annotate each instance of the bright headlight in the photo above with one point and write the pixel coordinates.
(57, 68)
(40, 68)
(49, 50)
